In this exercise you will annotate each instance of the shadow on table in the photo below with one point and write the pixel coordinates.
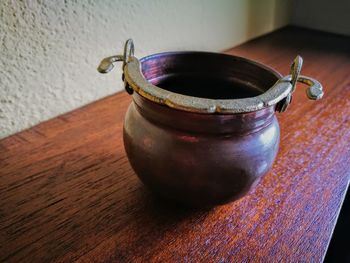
(152, 223)
(338, 250)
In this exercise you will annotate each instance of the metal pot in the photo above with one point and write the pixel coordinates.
(202, 128)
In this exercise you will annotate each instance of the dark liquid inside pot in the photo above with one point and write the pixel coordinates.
(207, 87)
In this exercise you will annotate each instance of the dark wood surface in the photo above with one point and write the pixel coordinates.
(67, 191)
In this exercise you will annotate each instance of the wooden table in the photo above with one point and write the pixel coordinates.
(67, 191)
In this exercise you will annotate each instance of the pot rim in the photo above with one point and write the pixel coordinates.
(136, 80)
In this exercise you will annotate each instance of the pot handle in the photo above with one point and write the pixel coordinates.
(107, 64)
(313, 92)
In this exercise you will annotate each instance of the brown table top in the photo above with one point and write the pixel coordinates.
(67, 191)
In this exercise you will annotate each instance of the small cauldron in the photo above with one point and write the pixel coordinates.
(201, 129)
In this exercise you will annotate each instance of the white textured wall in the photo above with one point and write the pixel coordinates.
(50, 49)
(325, 15)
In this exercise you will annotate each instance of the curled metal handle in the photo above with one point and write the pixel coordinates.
(129, 50)
(313, 92)
(107, 64)
(295, 69)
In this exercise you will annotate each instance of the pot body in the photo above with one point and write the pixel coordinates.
(199, 159)
(202, 129)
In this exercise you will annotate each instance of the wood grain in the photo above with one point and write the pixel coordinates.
(67, 191)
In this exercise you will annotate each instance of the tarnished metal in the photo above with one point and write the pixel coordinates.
(139, 84)
(314, 92)
(106, 65)
(129, 50)
(295, 70)
(280, 93)
(294, 73)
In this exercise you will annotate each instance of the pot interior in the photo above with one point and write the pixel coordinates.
(208, 75)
